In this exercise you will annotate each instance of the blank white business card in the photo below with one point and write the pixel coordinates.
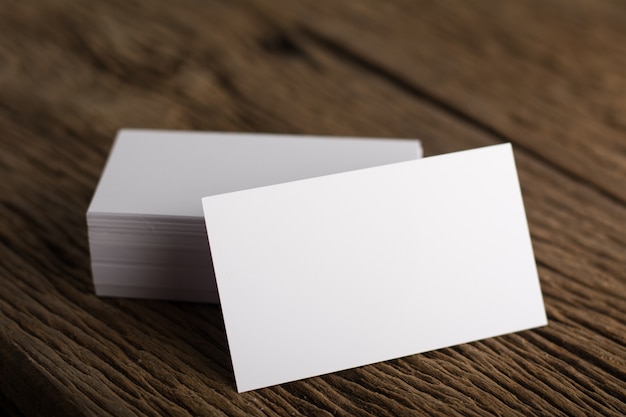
(166, 173)
(334, 272)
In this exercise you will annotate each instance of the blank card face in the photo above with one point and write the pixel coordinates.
(345, 270)
(165, 173)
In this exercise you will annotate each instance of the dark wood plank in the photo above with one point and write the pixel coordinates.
(546, 75)
(73, 75)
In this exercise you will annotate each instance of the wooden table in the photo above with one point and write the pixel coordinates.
(548, 76)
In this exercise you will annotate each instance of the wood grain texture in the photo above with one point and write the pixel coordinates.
(545, 75)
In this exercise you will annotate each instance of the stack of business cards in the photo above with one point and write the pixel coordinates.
(146, 229)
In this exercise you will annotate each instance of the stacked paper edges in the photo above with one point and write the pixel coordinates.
(146, 229)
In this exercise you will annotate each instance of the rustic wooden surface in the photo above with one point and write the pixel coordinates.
(548, 76)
